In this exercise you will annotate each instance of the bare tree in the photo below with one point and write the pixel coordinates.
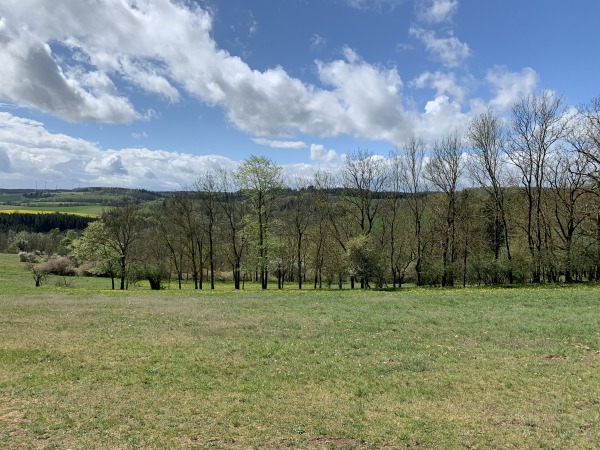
(123, 227)
(363, 178)
(234, 210)
(487, 137)
(184, 214)
(590, 150)
(207, 192)
(300, 212)
(538, 123)
(568, 182)
(174, 240)
(413, 182)
(325, 228)
(444, 170)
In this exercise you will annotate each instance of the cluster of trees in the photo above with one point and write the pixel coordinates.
(42, 223)
(508, 202)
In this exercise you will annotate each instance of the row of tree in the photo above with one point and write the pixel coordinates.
(508, 202)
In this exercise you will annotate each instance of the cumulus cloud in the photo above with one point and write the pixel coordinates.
(32, 77)
(510, 87)
(108, 165)
(450, 51)
(436, 11)
(4, 161)
(31, 154)
(279, 144)
(443, 83)
(34, 154)
(365, 100)
(78, 60)
(319, 153)
(442, 117)
(163, 47)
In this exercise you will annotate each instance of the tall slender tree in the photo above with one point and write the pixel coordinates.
(487, 137)
(207, 191)
(444, 170)
(123, 227)
(538, 123)
(260, 179)
(413, 183)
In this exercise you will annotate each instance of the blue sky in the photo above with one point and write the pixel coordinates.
(149, 94)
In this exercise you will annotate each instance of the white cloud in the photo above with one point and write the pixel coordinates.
(106, 165)
(32, 77)
(317, 42)
(510, 87)
(279, 144)
(320, 154)
(139, 135)
(443, 83)
(31, 154)
(77, 60)
(374, 5)
(365, 100)
(37, 155)
(442, 117)
(450, 51)
(436, 11)
(163, 47)
(5, 165)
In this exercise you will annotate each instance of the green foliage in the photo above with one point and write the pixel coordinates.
(365, 260)
(42, 223)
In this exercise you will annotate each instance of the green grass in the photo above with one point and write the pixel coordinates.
(418, 368)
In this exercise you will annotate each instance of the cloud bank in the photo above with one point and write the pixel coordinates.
(79, 60)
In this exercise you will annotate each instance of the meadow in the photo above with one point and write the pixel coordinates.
(85, 367)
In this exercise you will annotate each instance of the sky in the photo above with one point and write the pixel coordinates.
(152, 93)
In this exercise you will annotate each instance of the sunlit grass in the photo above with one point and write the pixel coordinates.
(87, 367)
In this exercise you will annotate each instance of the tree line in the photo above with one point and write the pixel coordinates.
(42, 223)
(510, 201)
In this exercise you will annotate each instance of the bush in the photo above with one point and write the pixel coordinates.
(28, 257)
(58, 265)
(61, 265)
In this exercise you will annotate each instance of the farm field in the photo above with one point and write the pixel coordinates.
(93, 211)
(85, 367)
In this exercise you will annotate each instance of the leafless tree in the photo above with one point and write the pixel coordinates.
(207, 191)
(234, 211)
(363, 178)
(123, 227)
(300, 213)
(444, 171)
(487, 137)
(413, 183)
(568, 182)
(538, 123)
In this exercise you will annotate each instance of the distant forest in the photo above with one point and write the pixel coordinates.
(42, 223)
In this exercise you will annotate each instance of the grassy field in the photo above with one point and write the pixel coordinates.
(86, 368)
(92, 211)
